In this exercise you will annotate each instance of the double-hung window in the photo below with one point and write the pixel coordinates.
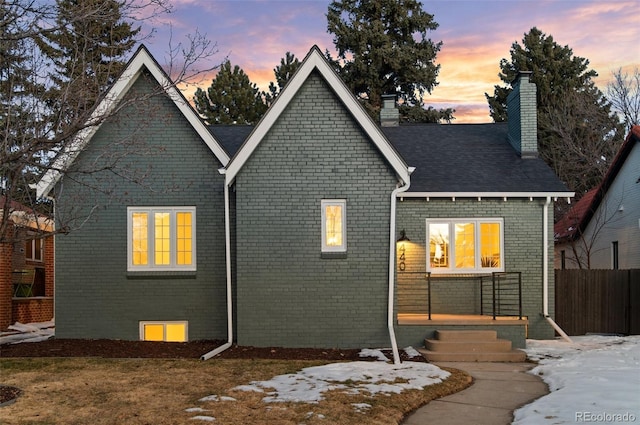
(465, 245)
(334, 225)
(161, 238)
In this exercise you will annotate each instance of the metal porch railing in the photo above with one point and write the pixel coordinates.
(500, 293)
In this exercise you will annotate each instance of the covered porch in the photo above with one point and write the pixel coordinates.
(426, 304)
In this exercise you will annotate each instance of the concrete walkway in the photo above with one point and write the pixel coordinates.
(497, 390)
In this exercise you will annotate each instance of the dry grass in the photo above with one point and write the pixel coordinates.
(152, 391)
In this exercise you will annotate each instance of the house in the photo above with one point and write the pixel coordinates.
(315, 228)
(602, 230)
(27, 266)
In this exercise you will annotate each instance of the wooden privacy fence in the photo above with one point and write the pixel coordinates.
(598, 301)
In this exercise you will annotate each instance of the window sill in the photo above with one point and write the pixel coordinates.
(333, 255)
(158, 274)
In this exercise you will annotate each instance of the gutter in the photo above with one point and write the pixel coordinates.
(227, 240)
(392, 267)
(545, 271)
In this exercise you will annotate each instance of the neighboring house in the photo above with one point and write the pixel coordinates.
(27, 262)
(303, 222)
(602, 230)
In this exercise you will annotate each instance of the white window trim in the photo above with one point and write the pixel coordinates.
(164, 328)
(334, 202)
(453, 270)
(34, 250)
(152, 267)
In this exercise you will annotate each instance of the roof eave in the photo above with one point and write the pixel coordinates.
(141, 60)
(316, 61)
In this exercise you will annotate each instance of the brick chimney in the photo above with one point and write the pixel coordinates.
(389, 114)
(522, 116)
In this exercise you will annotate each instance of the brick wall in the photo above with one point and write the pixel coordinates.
(6, 285)
(288, 295)
(522, 252)
(523, 118)
(32, 310)
(171, 166)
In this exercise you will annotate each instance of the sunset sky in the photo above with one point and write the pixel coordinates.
(256, 34)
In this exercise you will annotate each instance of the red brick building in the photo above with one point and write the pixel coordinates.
(29, 246)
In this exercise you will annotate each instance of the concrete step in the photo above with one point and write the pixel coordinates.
(495, 346)
(513, 356)
(468, 335)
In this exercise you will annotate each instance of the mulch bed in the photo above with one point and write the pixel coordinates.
(168, 350)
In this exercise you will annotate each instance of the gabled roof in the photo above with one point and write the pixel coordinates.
(470, 160)
(315, 60)
(576, 220)
(140, 61)
(453, 160)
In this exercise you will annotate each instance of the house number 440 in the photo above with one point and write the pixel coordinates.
(401, 262)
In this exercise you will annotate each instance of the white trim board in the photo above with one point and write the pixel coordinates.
(315, 60)
(140, 61)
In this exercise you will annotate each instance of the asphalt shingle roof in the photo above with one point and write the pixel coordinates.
(449, 158)
(468, 158)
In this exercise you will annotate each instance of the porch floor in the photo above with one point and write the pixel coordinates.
(458, 319)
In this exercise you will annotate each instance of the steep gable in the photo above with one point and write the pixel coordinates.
(141, 61)
(576, 220)
(315, 61)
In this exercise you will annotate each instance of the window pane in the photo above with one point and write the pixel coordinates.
(29, 249)
(162, 239)
(176, 332)
(140, 244)
(333, 217)
(465, 245)
(38, 245)
(490, 245)
(439, 244)
(183, 238)
(154, 332)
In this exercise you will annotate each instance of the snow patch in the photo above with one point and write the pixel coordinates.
(309, 385)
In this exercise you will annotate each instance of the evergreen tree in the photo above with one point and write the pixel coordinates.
(88, 49)
(283, 73)
(384, 49)
(231, 99)
(21, 122)
(578, 135)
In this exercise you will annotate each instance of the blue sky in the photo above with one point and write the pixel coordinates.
(256, 34)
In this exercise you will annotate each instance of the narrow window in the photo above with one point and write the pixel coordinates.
(34, 249)
(438, 245)
(161, 238)
(614, 255)
(334, 225)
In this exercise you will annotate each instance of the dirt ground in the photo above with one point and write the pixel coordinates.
(165, 350)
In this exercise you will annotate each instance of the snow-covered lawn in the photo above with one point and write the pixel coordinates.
(594, 380)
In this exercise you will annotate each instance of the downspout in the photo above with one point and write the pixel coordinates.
(392, 267)
(227, 240)
(545, 271)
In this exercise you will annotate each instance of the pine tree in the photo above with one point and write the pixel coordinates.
(231, 99)
(578, 135)
(88, 49)
(283, 73)
(384, 48)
